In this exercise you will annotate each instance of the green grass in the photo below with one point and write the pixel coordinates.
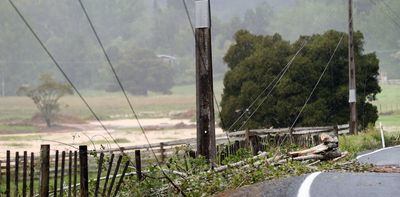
(20, 145)
(388, 104)
(369, 140)
(389, 96)
(17, 128)
(108, 105)
(19, 138)
(390, 120)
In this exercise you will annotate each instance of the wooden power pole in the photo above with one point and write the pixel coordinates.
(204, 82)
(352, 76)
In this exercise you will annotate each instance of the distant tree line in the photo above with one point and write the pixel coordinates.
(161, 27)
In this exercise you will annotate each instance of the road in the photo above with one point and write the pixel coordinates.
(385, 156)
(334, 184)
(330, 184)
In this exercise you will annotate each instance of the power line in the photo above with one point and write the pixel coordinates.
(62, 71)
(269, 93)
(314, 88)
(125, 94)
(267, 87)
(387, 14)
(319, 80)
(392, 11)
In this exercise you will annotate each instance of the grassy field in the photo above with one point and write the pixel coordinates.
(113, 105)
(388, 103)
(109, 105)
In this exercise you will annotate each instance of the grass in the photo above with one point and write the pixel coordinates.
(17, 128)
(390, 120)
(388, 104)
(20, 145)
(109, 105)
(369, 140)
(19, 138)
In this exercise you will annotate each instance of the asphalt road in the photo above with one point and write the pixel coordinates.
(386, 156)
(335, 184)
(326, 184)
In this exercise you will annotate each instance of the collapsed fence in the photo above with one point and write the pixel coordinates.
(71, 171)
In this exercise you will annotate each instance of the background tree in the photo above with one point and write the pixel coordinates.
(254, 61)
(141, 71)
(46, 96)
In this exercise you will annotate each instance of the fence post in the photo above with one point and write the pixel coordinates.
(55, 175)
(99, 170)
(382, 135)
(16, 173)
(62, 174)
(138, 162)
(32, 175)
(75, 171)
(24, 174)
(110, 164)
(115, 175)
(44, 170)
(83, 161)
(1, 175)
(8, 174)
(162, 150)
(70, 174)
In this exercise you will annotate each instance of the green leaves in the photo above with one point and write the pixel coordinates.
(46, 95)
(254, 61)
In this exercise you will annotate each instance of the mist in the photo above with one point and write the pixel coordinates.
(157, 34)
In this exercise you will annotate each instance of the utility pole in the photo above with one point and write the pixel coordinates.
(352, 76)
(204, 82)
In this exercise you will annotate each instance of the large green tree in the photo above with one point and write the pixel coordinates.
(254, 61)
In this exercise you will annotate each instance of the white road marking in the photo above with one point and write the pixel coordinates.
(373, 152)
(304, 190)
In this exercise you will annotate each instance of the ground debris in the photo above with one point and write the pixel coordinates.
(386, 169)
(327, 150)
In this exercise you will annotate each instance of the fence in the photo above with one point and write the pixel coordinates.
(387, 109)
(66, 173)
(63, 167)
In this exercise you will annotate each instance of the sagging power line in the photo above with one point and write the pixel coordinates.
(126, 96)
(62, 71)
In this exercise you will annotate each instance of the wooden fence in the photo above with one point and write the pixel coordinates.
(68, 169)
(62, 168)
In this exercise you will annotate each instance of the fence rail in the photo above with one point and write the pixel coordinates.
(62, 169)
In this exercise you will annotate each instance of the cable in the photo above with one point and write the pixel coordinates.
(62, 72)
(269, 93)
(391, 10)
(125, 94)
(314, 88)
(387, 14)
(319, 80)
(266, 87)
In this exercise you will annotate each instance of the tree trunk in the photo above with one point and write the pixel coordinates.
(48, 121)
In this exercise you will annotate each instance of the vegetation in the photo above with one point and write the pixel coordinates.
(142, 71)
(158, 26)
(369, 140)
(46, 96)
(203, 182)
(254, 61)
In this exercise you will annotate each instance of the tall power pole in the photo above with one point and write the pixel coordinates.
(204, 82)
(352, 76)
